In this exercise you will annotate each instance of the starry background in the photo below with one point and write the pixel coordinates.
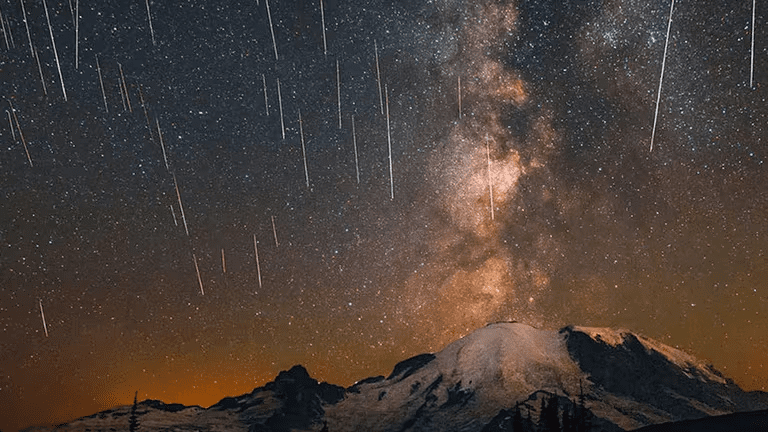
(589, 226)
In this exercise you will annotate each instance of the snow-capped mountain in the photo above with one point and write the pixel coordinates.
(621, 380)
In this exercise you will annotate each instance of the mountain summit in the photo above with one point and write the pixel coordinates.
(619, 380)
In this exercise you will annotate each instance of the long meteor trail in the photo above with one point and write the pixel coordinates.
(752, 62)
(661, 77)
(55, 54)
(322, 16)
(389, 148)
(149, 18)
(271, 29)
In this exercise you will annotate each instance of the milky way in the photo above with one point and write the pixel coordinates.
(255, 233)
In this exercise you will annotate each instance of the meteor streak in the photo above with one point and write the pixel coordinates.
(42, 315)
(303, 149)
(197, 270)
(280, 101)
(490, 184)
(149, 18)
(354, 145)
(271, 29)
(181, 206)
(274, 231)
(389, 147)
(378, 75)
(256, 254)
(661, 78)
(101, 83)
(53, 43)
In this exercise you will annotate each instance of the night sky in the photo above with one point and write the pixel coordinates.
(587, 226)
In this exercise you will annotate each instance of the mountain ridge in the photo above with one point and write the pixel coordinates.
(625, 380)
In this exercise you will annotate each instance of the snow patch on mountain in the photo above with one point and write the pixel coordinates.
(475, 376)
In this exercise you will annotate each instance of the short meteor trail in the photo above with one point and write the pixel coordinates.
(173, 213)
(303, 149)
(256, 252)
(490, 184)
(146, 114)
(197, 270)
(661, 77)
(266, 101)
(280, 102)
(40, 69)
(21, 134)
(274, 231)
(378, 75)
(101, 83)
(10, 124)
(181, 206)
(354, 145)
(223, 262)
(125, 87)
(42, 315)
(389, 147)
(162, 145)
(5, 33)
(459, 91)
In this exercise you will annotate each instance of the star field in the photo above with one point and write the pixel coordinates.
(522, 188)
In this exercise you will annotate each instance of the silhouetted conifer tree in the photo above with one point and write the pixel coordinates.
(581, 414)
(568, 420)
(549, 417)
(517, 420)
(133, 421)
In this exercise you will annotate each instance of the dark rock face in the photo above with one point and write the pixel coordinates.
(228, 403)
(406, 368)
(160, 405)
(458, 396)
(632, 370)
(301, 401)
(355, 388)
